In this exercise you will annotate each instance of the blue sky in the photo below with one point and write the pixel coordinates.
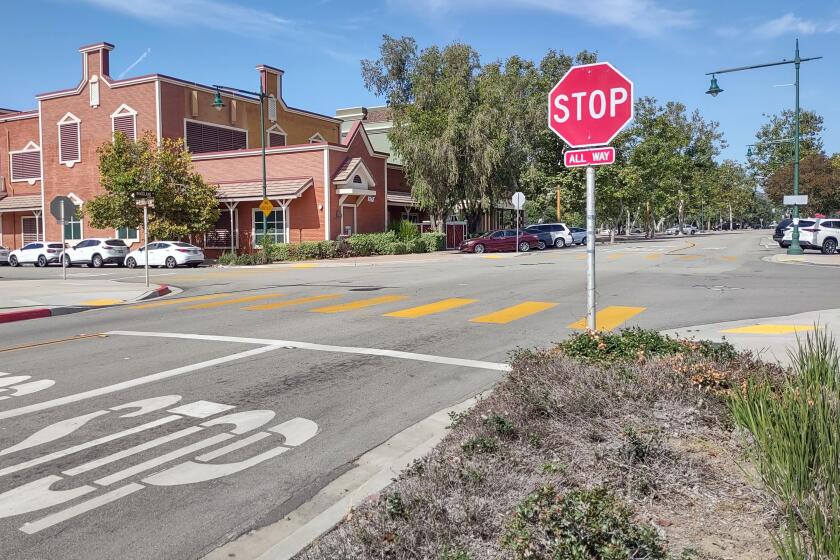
(664, 46)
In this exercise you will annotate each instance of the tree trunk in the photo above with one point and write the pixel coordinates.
(627, 232)
(680, 217)
(730, 217)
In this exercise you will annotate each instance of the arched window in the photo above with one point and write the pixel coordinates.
(124, 120)
(69, 140)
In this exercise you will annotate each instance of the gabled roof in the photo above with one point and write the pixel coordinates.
(359, 130)
(251, 189)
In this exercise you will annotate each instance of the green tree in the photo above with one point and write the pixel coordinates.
(769, 154)
(819, 178)
(184, 203)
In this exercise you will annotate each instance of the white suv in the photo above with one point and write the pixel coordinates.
(97, 252)
(39, 253)
(827, 235)
(808, 229)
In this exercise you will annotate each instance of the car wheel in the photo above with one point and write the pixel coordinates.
(67, 262)
(171, 262)
(559, 242)
(13, 261)
(541, 245)
(479, 248)
(524, 247)
(96, 261)
(829, 246)
(42, 261)
(130, 262)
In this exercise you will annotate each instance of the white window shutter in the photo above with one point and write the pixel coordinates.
(272, 108)
(93, 86)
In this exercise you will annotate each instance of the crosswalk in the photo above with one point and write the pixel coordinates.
(392, 307)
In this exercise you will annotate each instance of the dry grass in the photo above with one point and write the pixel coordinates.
(654, 431)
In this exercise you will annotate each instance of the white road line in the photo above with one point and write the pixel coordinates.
(152, 463)
(46, 405)
(96, 463)
(232, 447)
(78, 509)
(324, 348)
(87, 445)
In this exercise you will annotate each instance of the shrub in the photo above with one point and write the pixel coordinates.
(501, 425)
(328, 249)
(227, 258)
(406, 230)
(480, 444)
(366, 244)
(795, 436)
(632, 343)
(417, 245)
(434, 241)
(281, 252)
(398, 248)
(309, 250)
(582, 525)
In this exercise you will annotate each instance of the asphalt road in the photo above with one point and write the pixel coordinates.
(163, 430)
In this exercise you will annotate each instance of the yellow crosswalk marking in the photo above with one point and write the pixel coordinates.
(689, 257)
(580, 257)
(729, 258)
(610, 317)
(100, 302)
(304, 265)
(514, 312)
(492, 257)
(177, 301)
(431, 308)
(653, 256)
(360, 304)
(770, 329)
(232, 301)
(614, 256)
(288, 302)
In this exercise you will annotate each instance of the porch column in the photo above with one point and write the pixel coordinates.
(37, 214)
(231, 208)
(284, 204)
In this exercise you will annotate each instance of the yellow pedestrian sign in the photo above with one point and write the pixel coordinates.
(266, 206)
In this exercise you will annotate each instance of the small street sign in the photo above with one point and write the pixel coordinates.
(518, 200)
(266, 206)
(590, 105)
(62, 209)
(795, 200)
(590, 156)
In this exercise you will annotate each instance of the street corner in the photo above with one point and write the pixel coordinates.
(807, 259)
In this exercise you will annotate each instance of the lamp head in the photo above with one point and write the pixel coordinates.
(714, 88)
(218, 104)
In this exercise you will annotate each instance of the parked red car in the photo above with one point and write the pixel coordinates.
(501, 240)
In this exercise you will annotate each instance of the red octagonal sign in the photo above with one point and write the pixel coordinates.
(590, 105)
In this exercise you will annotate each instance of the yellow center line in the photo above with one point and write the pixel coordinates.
(105, 301)
(514, 312)
(304, 265)
(231, 301)
(770, 329)
(689, 257)
(177, 301)
(360, 304)
(653, 256)
(729, 258)
(492, 257)
(431, 308)
(609, 318)
(298, 301)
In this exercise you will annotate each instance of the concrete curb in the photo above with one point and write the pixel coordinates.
(43, 312)
(785, 259)
(372, 472)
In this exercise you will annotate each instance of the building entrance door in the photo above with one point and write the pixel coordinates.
(348, 219)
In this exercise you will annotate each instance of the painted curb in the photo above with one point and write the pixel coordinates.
(43, 312)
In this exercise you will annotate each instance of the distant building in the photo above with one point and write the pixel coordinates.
(324, 179)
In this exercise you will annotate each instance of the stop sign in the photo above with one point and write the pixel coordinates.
(590, 105)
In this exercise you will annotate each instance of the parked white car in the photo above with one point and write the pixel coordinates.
(828, 235)
(4, 255)
(40, 253)
(687, 230)
(166, 253)
(807, 234)
(96, 252)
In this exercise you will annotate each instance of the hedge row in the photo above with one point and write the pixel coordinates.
(360, 245)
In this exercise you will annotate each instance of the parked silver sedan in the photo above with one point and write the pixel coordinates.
(4, 255)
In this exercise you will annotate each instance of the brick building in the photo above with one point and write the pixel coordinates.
(321, 185)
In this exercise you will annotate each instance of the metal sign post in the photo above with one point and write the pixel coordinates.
(63, 248)
(146, 199)
(590, 248)
(518, 201)
(63, 210)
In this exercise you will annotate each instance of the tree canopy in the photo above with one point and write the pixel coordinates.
(184, 203)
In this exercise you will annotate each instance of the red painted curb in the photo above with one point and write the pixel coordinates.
(23, 315)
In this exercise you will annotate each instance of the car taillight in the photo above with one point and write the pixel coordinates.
(183, 250)
(52, 250)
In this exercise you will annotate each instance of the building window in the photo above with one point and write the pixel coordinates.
(316, 138)
(69, 140)
(128, 234)
(202, 137)
(275, 223)
(73, 229)
(276, 137)
(26, 163)
(124, 120)
(219, 236)
(31, 229)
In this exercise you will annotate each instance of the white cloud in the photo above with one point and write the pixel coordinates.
(790, 24)
(645, 17)
(214, 14)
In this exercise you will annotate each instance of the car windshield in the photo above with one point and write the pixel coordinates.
(54, 245)
(115, 243)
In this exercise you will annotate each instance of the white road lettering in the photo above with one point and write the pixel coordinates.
(146, 406)
(78, 509)
(54, 432)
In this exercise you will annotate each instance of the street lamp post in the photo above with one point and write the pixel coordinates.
(218, 104)
(714, 90)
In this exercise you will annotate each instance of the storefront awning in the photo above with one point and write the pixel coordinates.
(22, 203)
(251, 190)
(398, 199)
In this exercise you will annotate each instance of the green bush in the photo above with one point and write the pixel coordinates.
(434, 241)
(795, 444)
(328, 249)
(581, 525)
(367, 244)
(417, 245)
(227, 258)
(398, 248)
(406, 230)
(308, 250)
(629, 343)
(480, 444)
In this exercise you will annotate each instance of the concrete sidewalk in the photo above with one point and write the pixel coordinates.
(769, 337)
(812, 259)
(26, 299)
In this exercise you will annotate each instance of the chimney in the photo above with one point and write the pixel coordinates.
(95, 59)
(272, 80)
